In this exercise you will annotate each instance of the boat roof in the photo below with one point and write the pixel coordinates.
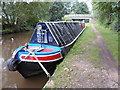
(64, 32)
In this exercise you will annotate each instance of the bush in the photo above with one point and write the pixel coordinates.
(6, 31)
(28, 28)
(115, 25)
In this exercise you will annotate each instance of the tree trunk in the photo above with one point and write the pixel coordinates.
(6, 15)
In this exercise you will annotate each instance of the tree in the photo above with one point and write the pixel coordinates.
(80, 8)
(57, 11)
(39, 12)
(107, 14)
(15, 14)
(21, 15)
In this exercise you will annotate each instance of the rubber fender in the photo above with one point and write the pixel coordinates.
(12, 64)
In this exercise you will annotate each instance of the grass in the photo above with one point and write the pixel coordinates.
(84, 40)
(97, 65)
(110, 38)
(61, 78)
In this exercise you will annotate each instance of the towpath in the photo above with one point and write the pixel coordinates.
(83, 73)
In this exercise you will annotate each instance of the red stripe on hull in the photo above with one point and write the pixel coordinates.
(46, 58)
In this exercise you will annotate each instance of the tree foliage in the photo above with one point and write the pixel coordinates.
(57, 11)
(107, 13)
(80, 8)
(22, 15)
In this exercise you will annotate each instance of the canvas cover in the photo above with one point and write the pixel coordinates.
(57, 33)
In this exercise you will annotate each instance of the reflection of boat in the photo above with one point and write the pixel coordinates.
(48, 46)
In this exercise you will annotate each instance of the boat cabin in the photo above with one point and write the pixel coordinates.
(60, 34)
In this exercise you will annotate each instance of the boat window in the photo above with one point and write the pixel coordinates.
(41, 35)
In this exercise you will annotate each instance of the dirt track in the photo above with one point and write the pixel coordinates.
(108, 62)
(90, 77)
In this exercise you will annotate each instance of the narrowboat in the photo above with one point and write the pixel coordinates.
(49, 44)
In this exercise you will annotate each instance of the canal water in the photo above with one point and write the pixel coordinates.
(13, 79)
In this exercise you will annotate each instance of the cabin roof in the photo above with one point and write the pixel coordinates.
(63, 32)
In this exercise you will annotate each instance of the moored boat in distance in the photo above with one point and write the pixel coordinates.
(50, 43)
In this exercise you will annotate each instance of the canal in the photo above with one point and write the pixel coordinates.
(13, 79)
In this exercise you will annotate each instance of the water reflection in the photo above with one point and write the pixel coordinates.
(13, 41)
(14, 79)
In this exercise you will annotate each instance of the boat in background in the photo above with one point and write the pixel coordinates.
(50, 43)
